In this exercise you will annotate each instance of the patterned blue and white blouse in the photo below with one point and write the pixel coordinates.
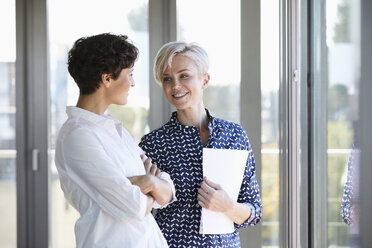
(350, 197)
(177, 150)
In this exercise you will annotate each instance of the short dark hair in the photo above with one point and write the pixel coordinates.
(92, 56)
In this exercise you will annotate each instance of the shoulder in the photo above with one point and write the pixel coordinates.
(74, 132)
(229, 126)
(156, 135)
(231, 133)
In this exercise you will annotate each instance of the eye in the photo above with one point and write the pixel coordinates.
(184, 76)
(167, 79)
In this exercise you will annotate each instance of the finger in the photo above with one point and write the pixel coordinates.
(202, 201)
(207, 188)
(212, 184)
(147, 165)
(153, 169)
(143, 157)
(157, 173)
(203, 193)
(202, 204)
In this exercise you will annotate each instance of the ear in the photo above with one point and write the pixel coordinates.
(106, 80)
(206, 78)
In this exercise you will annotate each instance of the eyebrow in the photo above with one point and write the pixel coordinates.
(182, 70)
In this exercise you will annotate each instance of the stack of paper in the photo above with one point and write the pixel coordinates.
(226, 168)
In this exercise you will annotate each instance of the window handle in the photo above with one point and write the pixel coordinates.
(35, 159)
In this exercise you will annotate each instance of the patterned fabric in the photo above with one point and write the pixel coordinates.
(350, 196)
(177, 150)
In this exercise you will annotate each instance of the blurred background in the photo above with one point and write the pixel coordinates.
(248, 45)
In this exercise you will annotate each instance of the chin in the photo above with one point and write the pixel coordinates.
(180, 107)
(122, 103)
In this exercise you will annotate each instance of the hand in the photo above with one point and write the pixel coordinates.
(211, 196)
(150, 168)
(152, 184)
(145, 182)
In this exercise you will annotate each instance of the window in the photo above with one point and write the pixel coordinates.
(8, 225)
(270, 122)
(336, 65)
(220, 37)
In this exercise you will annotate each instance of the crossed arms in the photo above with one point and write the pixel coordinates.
(153, 185)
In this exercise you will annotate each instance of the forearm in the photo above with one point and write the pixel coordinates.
(158, 188)
(239, 212)
(162, 191)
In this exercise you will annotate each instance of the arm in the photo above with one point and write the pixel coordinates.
(211, 196)
(349, 208)
(158, 188)
(249, 191)
(248, 208)
(152, 183)
(147, 144)
(87, 165)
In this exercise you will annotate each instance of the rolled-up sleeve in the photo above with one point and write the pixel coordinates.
(165, 176)
(249, 191)
(88, 165)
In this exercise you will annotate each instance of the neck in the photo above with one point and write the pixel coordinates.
(196, 117)
(93, 103)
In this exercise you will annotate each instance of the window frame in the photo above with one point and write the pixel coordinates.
(31, 124)
(300, 150)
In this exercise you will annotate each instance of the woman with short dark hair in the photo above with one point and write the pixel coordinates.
(103, 173)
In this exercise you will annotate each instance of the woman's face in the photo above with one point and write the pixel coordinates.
(119, 88)
(182, 83)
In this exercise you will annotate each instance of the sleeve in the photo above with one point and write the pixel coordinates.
(88, 165)
(249, 191)
(165, 176)
(346, 202)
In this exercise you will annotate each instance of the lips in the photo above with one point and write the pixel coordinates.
(179, 95)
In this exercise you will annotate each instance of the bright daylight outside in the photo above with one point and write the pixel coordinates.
(221, 38)
(8, 206)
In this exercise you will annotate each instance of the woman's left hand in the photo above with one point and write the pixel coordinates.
(211, 196)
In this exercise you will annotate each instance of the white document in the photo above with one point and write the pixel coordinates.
(226, 168)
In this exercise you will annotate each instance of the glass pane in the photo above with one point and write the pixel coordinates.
(343, 42)
(123, 17)
(336, 58)
(269, 121)
(203, 24)
(8, 202)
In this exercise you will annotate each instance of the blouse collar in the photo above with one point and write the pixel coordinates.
(104, 121)
(177, 126)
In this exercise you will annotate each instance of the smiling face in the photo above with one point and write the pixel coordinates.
(118, 89)
(183, 84)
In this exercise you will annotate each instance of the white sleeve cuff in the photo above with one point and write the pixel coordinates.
(165, 176)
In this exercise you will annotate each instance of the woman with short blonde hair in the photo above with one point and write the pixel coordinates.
(177, 148)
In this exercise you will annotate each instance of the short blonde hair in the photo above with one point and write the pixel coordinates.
(165, 55)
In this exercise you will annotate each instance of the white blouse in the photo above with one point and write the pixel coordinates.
(95, 156)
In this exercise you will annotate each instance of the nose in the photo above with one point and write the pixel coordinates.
(176, 83)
